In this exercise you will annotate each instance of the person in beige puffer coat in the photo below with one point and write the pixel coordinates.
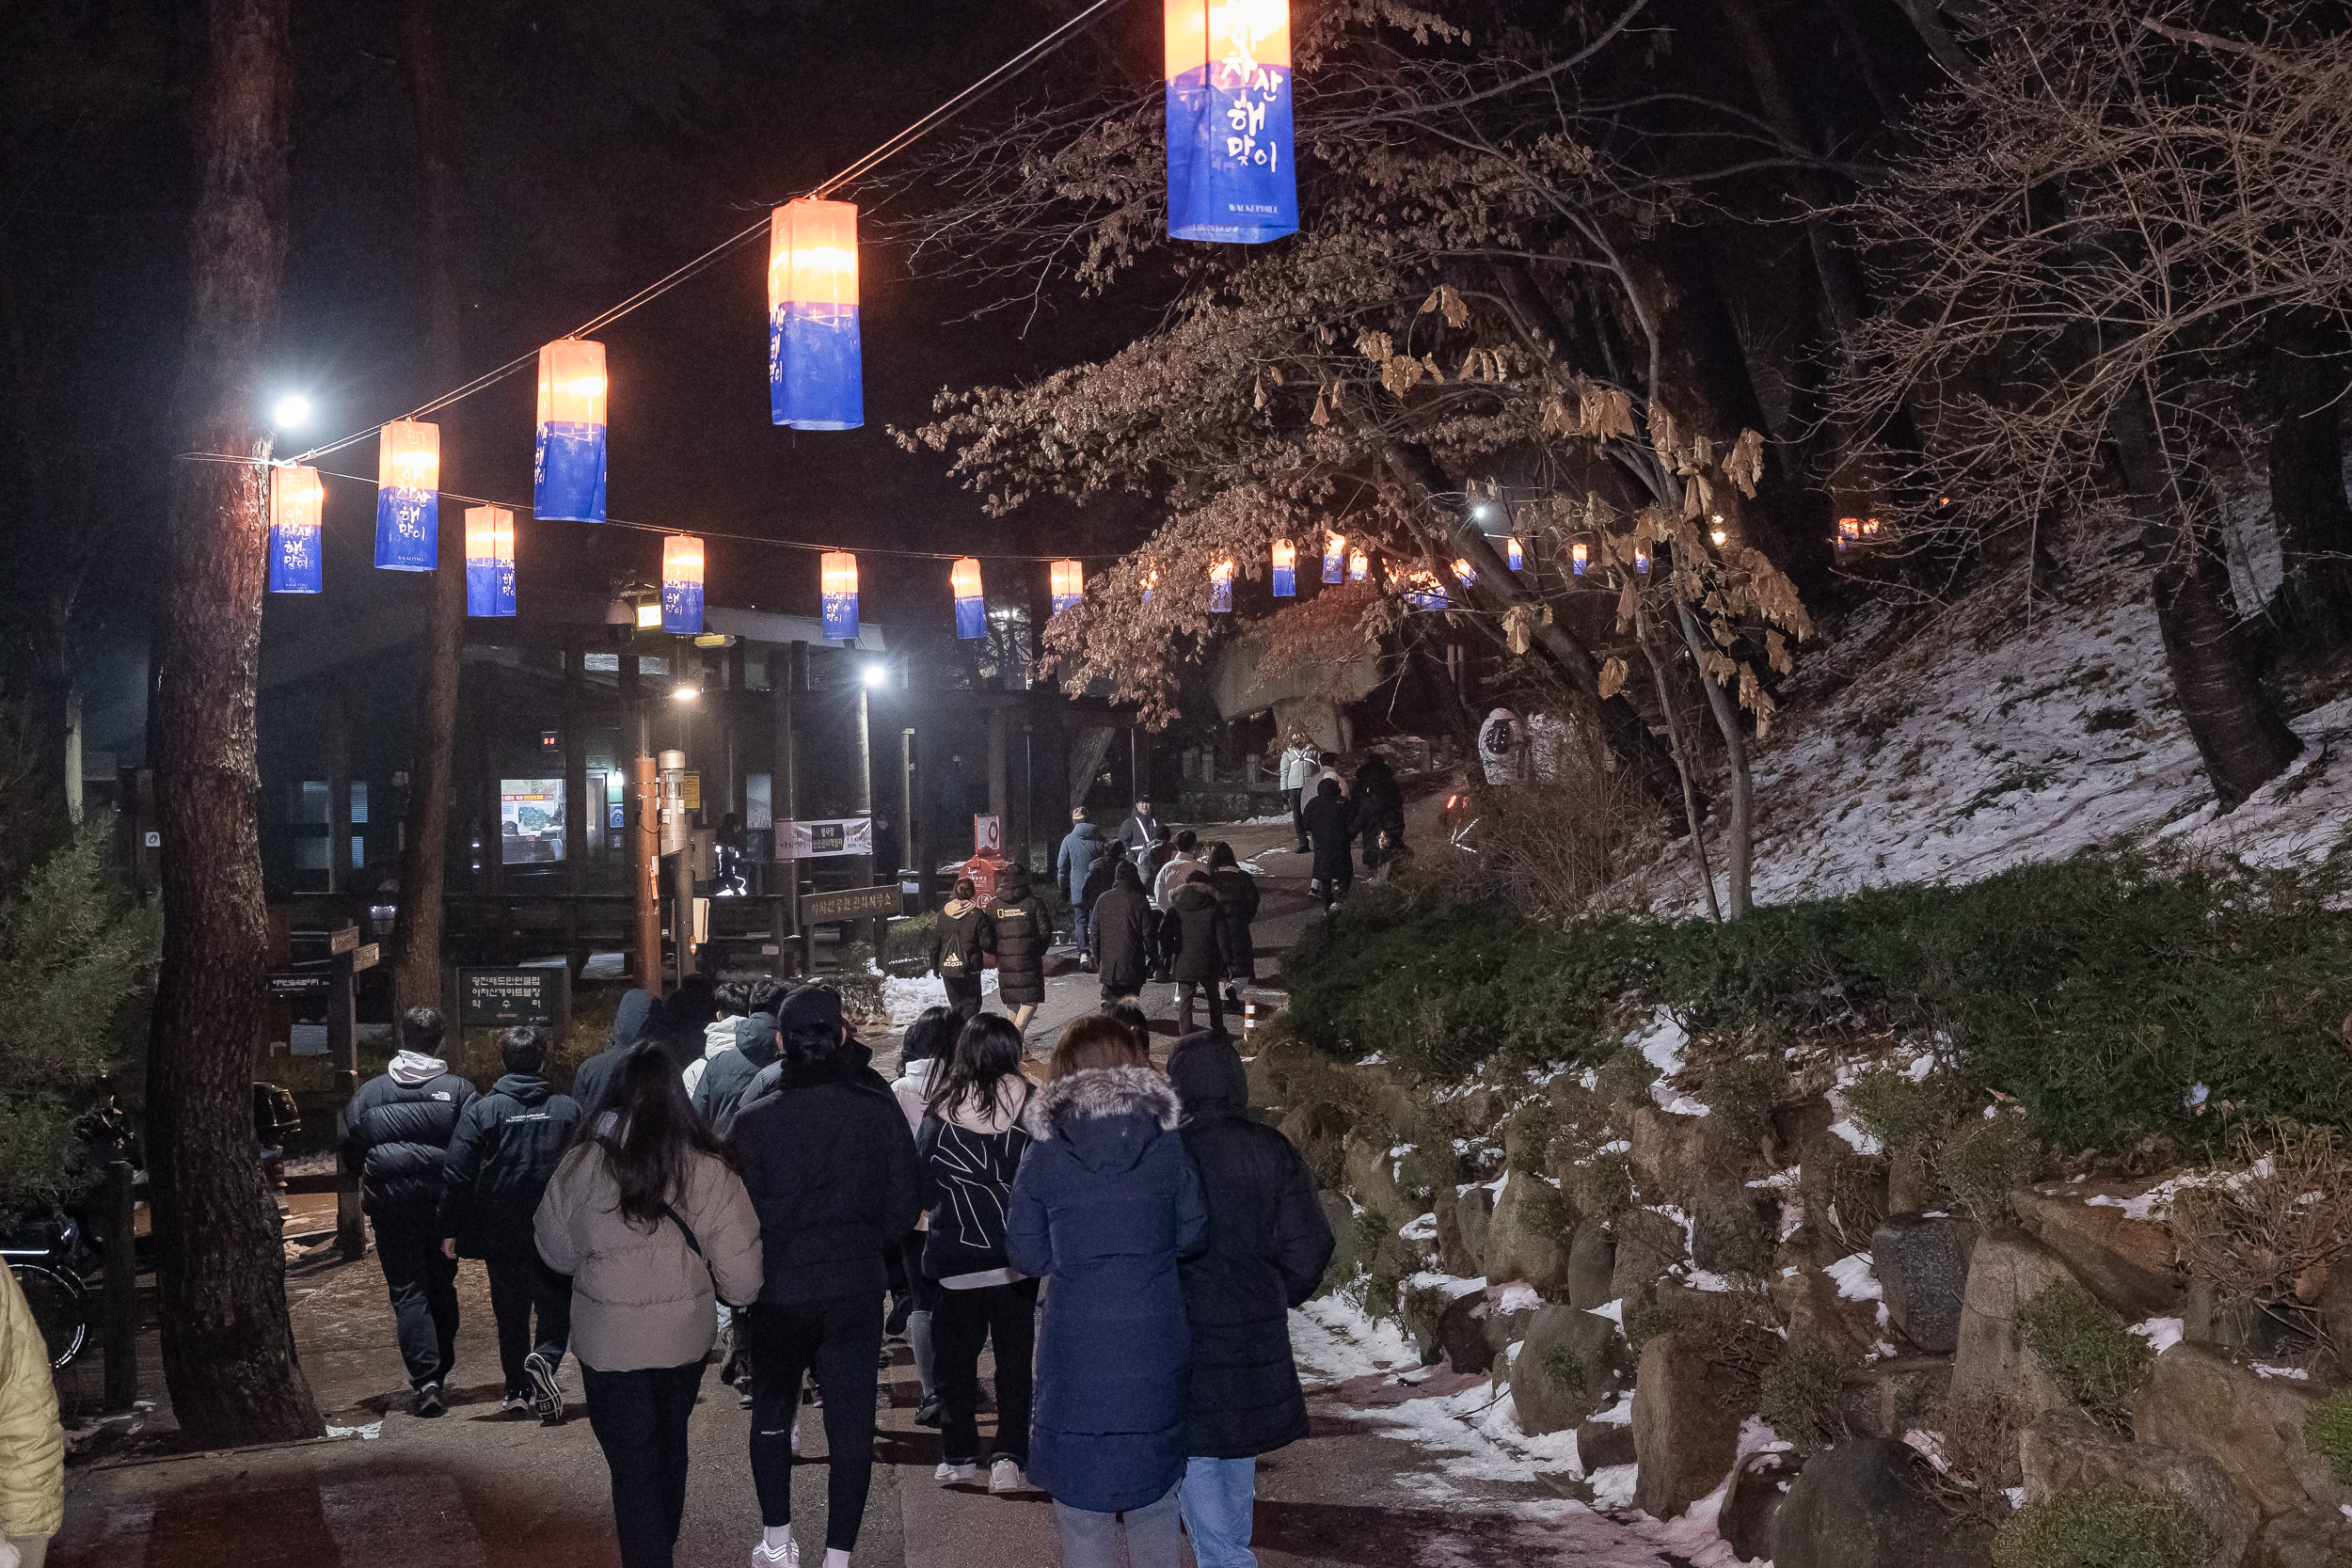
(32, 1446)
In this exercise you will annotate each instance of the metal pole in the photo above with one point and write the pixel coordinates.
(121, 1335)
(678, 840)
(865, 806)
(646, 874)
(911, 833)
(343, 1047)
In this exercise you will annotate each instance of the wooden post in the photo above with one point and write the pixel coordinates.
(910, 829)
(342, 1049)
(120, 1336)
(645, 875)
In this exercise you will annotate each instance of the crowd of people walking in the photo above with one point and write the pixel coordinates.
(1128, 1243)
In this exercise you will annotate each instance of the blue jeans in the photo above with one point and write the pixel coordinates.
(1217, 1500)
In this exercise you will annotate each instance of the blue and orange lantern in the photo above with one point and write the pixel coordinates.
(1422, 590)
(836, 580)
(408, 497)
(1464, 571)
(1334, 557)
(1640, 559)
(1514, 553)
(1359, 566)
(297, 500)
(1221, 588)
(682, 585)
(816, 370)
(489, 561)
(1070, 585)
(1230, 176)
(963, 578)
(1285, 569)
(567, 472)
(1579, 558)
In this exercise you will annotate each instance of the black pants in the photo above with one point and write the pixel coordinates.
(1184, 989)
(1296, 799)
(520, 1286)
(423, 1285)
(840, 1338)
(961, 1322)
(640, 1422)
(963, 994)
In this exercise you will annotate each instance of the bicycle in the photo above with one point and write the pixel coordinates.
(40, 1254)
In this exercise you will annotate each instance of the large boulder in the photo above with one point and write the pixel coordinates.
(1473, 1214)
(1319, 1132)
(1860, 1505)
(1371, 1175)
(1646, 1245)
(1604, 1444)
(2251, 1425)
(2312, 1536)
(2005, 1270)
(1347, 1256)
(2060, 1453)
(1477, 1325)
(1758, 1486)
(1423, 1304)
(1592, 1265)
(2127, 1262)
(1819, 1318)
(1733, 1230)
(1527, 1238)
(1886, 1399)
(1922, 1264)
(1570, 1364)
(1686, 1426)
(1677, 1157)
(1453, 1257)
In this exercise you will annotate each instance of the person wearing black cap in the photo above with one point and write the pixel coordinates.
(829, 1164)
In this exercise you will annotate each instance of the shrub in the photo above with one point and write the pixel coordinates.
(858, 981)
(1426, 1169)
(2328, 1432)
(1741, 1095)
(1527, 1138)
(1985, 1161)
(1604, 1184)
(2257, 1236)
(908, 941)
(1901, 1111)
(1565, 1368)
(1645, 1321)
(1624, 1079)
(1798, 1398)
(2086, 1349)
(2095, 1528)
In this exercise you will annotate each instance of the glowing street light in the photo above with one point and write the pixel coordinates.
(685, 693)
(292, 411)
(876, 675)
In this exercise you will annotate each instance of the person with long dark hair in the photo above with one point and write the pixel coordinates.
(970, 1143)
(647, 1215)
(924, 1051)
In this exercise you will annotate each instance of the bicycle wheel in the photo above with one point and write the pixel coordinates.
(56, 1302)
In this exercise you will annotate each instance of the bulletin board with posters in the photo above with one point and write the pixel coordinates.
(531, 821)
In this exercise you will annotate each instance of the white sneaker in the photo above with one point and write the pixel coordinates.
(950, 1473)
(514, 1403)
(1005, 1476)
(788, 1556)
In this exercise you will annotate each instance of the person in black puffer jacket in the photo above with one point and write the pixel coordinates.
(396, 1135)
(729, 1076)
(1122, 934)
(1236, 894)
(962, 936)
(1193, 930)
(1268, 1247)
(1024, 931)
(508, 1145)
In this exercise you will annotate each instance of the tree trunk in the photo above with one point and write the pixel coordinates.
(433, 727)
(2306, 382)
(1740, 851)
(227, 1344)
(1686, 765)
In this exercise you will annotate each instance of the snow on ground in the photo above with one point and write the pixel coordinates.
(1961, 740)
(906, 999)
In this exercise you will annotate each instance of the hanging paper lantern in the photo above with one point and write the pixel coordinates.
(1849, 531)
(567, 474)
(1285, 569)
(1150, 580)
(297, 500)
(1221, 587)
(1640, 559)
(837, 581)
(1358, 566)
(1579, 558)
(1422, 591)
(1514, 554)
(1228, 122)
(816, 370)
(1070, 585)
(971, 607)
(1334, 556)
(489, 561)
(408, 497)
(682, 585)
(1462, 572)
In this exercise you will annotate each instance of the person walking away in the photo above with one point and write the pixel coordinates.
(1196, 939)
(1138, 831)
(962, 936)
(1098, 883)
(1236, 894)
(1124, 927)
(1023, 933)
(1332, 828)
(727, 1077)
(1182, 862)
(830, 1168)
(1073, 865)
(734, 1001)
(501, 1160)
(1268, 1247)
(1300, 761)
(395, 1135)
(1106, 1203)
(923, 1055)
(1379, 816)
(32, 1443)
(970, 1145)
(640, 1016)
(647, 1215)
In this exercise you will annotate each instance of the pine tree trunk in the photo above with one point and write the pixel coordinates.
(416, 961)
(2305, 377)
(227, 1343)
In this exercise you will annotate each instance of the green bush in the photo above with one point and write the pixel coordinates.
(1797, 1397)
(1901, 1111)
(1604, 1184)
(2086, 1349)
(2328, 1432)
(2095, 1528)
(1426, 1168)
(856, 979)
(1625, 1078)
(1527, 1138)
(1985, 1161)
(1645, 1321)
(1741, 1095)
(1565, 1368)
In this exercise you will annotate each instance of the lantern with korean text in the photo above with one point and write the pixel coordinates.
(567, 471)
(489, 561)
(408, 497)
(682, 585)
(1513, 553)
(296, 501)
(970, 605)
(1359, 566)
(1334, 557)
(1070, 585)
(1221, 587)
(1285, 569)
(1579, 558)
(816, 371)
(1229, 120)
(837, 584)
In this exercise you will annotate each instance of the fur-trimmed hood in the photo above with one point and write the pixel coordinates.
(1106, 1117)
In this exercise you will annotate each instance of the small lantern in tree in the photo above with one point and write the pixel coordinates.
(408, 497)
(1334, 557)
(489, 561)
(1463, 572)
(963, 579)
(815, 368)
(1221, 587)
(1285, 569)
(1359, 566)
(682, 585)
(837, 585)
(1515, 554)
(1580, 558)
(296, 502)
(1070, 585)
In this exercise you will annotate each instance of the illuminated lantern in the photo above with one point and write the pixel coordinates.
(489, 561)
(408, 497)
(1579, 558)
(1358, 566)
(1285, 569)
(1849, 531)
(1462, 572)
(568, 473)
(815, 372)
(1221, 587)
(1150, 580)
(1228, 122)
(1070, 585)
(971, 608)
(1334, 556)
(682, 585)
(1514, 554)
(1422, 591)
(1640, 559)
(297, 500)
(1869, 528)
(837, 581)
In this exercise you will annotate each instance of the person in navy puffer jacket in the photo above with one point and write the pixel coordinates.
(395, 1135)
(1106, 1203)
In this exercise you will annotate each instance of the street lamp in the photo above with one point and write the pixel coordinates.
(292, 411)
(685, 693)
(875, 676)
